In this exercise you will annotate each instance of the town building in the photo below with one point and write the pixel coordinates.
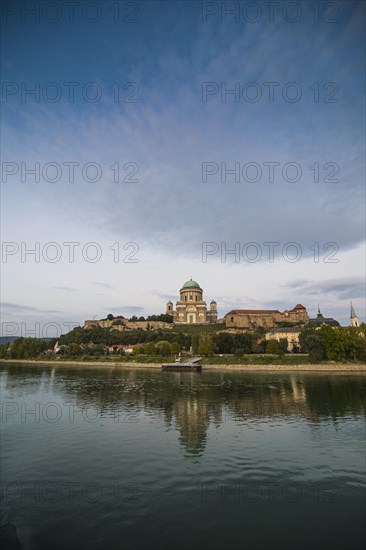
(291, 334)
(191, 308)
(320, 320)
(265, 318)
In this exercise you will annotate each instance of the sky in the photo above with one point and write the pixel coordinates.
(144, 143)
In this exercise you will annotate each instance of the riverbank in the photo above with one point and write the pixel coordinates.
(319, 367)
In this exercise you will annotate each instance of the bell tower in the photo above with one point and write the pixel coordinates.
(354, 318)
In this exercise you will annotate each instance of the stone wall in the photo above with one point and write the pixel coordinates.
(265, 319)
(128, 325)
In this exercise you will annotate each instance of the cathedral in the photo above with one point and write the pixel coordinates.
(191, 308)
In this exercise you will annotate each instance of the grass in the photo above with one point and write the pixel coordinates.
(199, 329)
(257, 360)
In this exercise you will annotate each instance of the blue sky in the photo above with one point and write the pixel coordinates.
(166, 137)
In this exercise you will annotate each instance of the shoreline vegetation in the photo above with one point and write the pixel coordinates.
(207, 364)
(339, 349)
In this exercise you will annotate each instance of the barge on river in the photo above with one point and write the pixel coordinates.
(180, 366)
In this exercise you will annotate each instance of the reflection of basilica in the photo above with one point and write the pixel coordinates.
(192, 420)
(192, 402)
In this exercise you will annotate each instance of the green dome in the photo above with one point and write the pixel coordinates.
(191, 284)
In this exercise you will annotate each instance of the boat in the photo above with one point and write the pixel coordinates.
(181, 366)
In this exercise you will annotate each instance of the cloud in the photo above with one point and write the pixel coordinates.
(342, 288)
(22, 307)
(166, 297)
(103, 285)
(66, 288)
(125, 309)
(172, 132)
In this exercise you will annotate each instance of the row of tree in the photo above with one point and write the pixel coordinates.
(334, 344)
(24, 348)
(204, 342)
(162, 317)
(111, 337)
(326, 343)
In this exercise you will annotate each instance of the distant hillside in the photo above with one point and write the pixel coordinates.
(10, 339)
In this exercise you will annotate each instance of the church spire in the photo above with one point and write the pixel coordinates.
(353, 313)
(354, 318)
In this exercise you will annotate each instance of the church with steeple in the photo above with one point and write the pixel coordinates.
(353, 318)
(320, 320)
(191, 308)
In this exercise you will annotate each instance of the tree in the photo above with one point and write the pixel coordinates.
(223, 342)
(74, 349)
(205, 344)
(110, 317)
(26, 348)
(311, 343)
(272, 347)
(163, 318)
(150, 348)
(163, 348)
(195, 343)
(356, 343)
(332, 342)
(259, 345)
(99, 349)
(175, 348)
(283, 346)
(4, 350)
(244, 342)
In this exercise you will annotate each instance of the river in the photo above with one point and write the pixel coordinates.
(116, 458)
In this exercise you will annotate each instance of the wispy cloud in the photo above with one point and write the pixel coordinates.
(24, 308)
(103, 285)
(66, 288)
(343, 288)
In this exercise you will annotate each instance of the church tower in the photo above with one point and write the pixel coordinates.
(169, 308)
(354, 318)
(212, 314)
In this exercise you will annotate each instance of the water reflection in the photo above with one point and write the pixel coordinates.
(191, 402)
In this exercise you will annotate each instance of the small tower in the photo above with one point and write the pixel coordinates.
(354, 318)
(169, 308)
(212, 314)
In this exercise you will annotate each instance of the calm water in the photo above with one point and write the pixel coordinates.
(101, 458)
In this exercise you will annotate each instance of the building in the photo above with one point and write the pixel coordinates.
(291, 334)
(320, 320)
(191, 308)
(265, 318)
(353, 318)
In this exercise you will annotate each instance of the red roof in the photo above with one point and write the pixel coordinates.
(251, 311)
(298, 306)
